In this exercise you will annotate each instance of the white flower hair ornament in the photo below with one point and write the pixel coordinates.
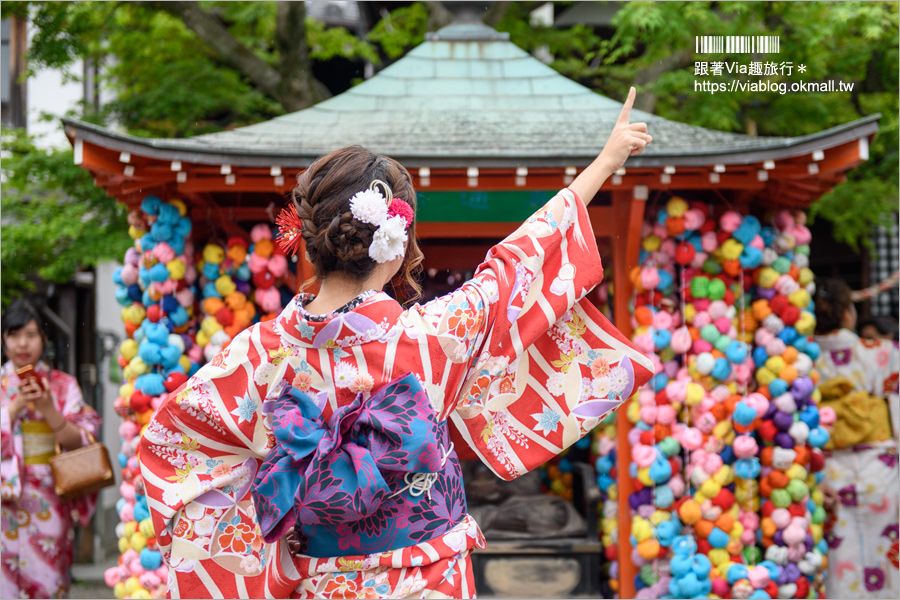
(390, 217)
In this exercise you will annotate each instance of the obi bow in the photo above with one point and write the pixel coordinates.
(334, 471)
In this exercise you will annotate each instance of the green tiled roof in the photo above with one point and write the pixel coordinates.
(469, 97)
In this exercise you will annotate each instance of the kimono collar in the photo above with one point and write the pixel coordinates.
(370, 320)
(842, 339)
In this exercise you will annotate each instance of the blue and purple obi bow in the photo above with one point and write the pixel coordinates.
(350, 482)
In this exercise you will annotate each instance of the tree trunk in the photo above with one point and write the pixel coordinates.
(292, 85)
(646, 101)
(298, 88)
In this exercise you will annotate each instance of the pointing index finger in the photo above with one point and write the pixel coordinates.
(625, 115)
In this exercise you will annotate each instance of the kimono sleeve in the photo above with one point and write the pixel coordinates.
(71, 405)
(198, 458)
(11, 446)
(542, 365)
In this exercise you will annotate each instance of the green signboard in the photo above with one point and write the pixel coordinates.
(479, 206)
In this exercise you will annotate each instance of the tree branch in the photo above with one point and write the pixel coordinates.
(298, 87)
(646, 101)
(496, 13)
(211, 31)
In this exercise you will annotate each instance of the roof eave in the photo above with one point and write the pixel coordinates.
(163, 149)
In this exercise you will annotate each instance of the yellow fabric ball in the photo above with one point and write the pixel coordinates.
(134, 314)
(124, 545)
(179, 204)
(731, 249)
(775, 364)
(764, 376)
(799, 298)
(132, 584)
(126, 390)
(651, 243)
(213, 253)
(718, 556)
(146, 528)
(135, 233)
(806, 276)
(644, 476)
(676, 207)
(185, 363)
(659, 516)
(119, 590)
(641, 529)
(806, 324)
(711, 488)
(225, 285)
(130, 528)
(128, 349)
(138, 541)
(768, 277)
(694, 394)
(176, 269)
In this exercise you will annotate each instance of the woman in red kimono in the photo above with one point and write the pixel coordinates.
(315, 456)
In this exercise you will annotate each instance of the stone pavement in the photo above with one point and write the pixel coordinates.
(87, 580)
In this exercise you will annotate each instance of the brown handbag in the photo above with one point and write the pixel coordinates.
(81, 471)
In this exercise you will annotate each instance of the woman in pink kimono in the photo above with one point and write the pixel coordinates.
(38, 413)
(316, 456)
(861, 473)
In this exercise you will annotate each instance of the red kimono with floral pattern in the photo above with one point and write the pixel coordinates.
(517, 359)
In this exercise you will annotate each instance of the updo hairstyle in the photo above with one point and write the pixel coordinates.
(832, 301)
(335, 241)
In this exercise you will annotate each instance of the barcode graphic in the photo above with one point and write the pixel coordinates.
(737, 44)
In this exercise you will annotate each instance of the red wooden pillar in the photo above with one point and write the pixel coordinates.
(628, 208)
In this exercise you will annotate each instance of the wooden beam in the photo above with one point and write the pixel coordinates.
(629, 215)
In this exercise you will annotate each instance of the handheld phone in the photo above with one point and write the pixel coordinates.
(28, 372)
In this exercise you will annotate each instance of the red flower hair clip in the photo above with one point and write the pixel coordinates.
(400, 208)
(290, 228)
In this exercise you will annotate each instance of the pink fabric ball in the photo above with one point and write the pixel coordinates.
(130, 274)
(691, 438)
(278, 265)
(643, 456)
(260, 232)
(730, 221)
(665, 414)
(708, 242)
(256, 263)
(694, 219)
(827, 416)
(745, 446)
(163, 252)
(681, 340)
(111, 576)
(662, 320)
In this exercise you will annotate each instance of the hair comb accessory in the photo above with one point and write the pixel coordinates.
(289, 229)
(391, 216)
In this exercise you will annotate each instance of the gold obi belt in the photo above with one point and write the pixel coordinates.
(861, 418)
(38, 442)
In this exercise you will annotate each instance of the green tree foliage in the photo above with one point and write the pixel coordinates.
(652, 46)
(55, 221)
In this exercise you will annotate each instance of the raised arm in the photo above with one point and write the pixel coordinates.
(627, 139)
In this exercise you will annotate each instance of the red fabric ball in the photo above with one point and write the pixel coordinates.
(796, 510)
(768, 430)
(768, 507)
(139, 402)
(224, 316)
(263, 280)
(154, 312)
(647, 438)
(685, 253)
(802, 588)
(778, 304)
(174, 381)
(816, 461)
(724, 499)
(791, 315)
